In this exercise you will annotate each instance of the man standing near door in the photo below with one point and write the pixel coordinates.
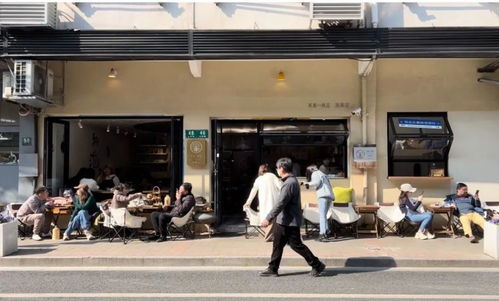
(288, 215)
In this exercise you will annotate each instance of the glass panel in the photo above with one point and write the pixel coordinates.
(8, 114)
(308, 127)
(302, 140)
(240, 128)
(239, 142)
(418, 124)
(9, 147)
(330, 159)
(420, 149)
(415, 169)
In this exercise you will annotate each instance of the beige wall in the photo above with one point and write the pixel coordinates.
(246, 89)
(439, 85)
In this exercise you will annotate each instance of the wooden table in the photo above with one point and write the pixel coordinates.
(367, 210)
(57, 211)
(447, 212)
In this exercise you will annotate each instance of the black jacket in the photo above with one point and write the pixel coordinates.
(183, 205)
(287, 210)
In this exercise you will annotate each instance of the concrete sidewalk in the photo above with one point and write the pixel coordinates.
(238, 251)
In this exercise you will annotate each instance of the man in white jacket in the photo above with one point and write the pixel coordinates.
(267, 186)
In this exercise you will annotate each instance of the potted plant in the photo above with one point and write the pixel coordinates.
(8, 235)
(491, 238)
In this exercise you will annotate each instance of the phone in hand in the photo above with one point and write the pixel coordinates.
(477, 191)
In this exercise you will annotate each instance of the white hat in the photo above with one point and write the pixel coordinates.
(407, 188)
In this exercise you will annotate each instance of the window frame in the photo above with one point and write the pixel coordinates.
(392, 135)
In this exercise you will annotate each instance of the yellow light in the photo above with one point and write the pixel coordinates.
(281, 76)
(112, 73)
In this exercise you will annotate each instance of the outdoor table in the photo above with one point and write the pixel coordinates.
(369, 210)
(57, 211)
(145, 211)
(447, 212)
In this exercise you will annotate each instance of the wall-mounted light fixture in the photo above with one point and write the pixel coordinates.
(281, 76)
(112, 73)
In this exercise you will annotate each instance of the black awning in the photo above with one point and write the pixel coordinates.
(250, 44)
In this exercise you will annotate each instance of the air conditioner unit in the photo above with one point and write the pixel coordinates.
(336, 11)
(28, 14)
(30, 83)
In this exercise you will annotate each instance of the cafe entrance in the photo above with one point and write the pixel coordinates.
(240, 146)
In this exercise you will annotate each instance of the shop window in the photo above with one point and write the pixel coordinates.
(9, 147)
(323, 143)
(418, 144)
(8, 114)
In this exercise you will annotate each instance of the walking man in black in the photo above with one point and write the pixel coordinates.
(288, 215)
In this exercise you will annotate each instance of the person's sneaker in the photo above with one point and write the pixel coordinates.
(65, 237)
(316, 271)
(161, 239)
(36, 237)
(269, 273)
(88, 235)
(474, 240)
(420, 235)
(430, 235)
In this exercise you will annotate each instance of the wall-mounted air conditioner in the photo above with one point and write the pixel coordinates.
(29, 83)
(28, 14)
(336, 11)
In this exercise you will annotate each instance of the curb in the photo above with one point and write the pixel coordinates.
(378, 262)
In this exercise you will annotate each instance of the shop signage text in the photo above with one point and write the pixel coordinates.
(196, 134)
(420, 124)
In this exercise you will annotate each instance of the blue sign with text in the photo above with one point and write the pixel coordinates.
(420, 124)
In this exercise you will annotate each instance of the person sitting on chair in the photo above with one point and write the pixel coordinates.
(467, 208)
(33, 212)
(183, 204)
(85, 207)
(121, 198)
(410, 206)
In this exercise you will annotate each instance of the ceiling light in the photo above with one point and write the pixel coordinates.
(112, 73)
(118, 130)
(80, 124)
(488, 81)
(281, 76)
(134, 134)
(108, 129)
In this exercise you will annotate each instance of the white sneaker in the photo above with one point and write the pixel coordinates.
(65, 237)
(430, 235)
(36, 237)
(420, 235)
(88, 235)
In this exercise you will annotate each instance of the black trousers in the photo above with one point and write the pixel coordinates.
(160, 221)
(289, 235)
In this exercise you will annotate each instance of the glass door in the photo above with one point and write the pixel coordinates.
(57, 155)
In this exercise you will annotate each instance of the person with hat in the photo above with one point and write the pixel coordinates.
(84, 207)
(410, 207)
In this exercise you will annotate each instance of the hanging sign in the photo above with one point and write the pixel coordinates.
(420, 124)
(196, 134)
(364, 156)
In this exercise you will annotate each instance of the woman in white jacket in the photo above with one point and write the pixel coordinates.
(325, 196)
(267, 186)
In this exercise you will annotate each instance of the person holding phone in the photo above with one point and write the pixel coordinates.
(412, 209)
(468, 208)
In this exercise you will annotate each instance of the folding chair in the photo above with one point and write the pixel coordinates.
(390, 217)
(24, 230)
(408, 227)
(312, 219)
(123, 221)
(182, 227)
(345, 218)
(252, 221)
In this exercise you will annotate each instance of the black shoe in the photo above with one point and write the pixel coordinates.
(474, 240)
(269, 273)
(161, 239)
(316, 271)
(152, 238)
(323, 238)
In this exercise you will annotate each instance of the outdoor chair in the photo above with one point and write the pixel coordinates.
(122, 221)
(252, 222)
(23, 230)
(312, 219)
(408, 227)
(345, 218)
(182, 227)
(390, 218)
(494, 206)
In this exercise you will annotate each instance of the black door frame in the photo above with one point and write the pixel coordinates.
(176, 130)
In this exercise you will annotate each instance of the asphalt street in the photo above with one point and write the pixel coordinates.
(213, 283)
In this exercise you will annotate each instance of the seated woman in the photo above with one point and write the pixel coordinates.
(107, 179)
(121, 198)
(409, 207)
(85, 207)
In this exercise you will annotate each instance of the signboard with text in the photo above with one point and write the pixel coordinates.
(420, 124)
(196, 134)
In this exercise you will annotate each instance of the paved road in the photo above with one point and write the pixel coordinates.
(244, 284)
